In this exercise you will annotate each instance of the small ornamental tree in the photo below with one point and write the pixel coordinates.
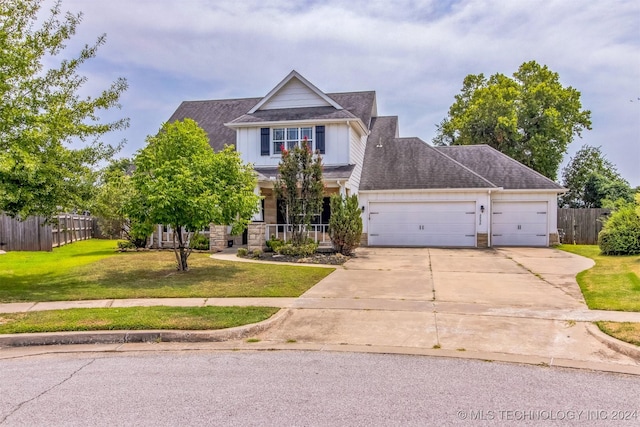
(113, 190)
(345, 224)
(299, 185)
(181, 182)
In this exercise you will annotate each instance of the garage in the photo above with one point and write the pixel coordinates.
(519, 224)
(449, 224)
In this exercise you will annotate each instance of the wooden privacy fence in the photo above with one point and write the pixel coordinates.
(581, 226)
(33, 234)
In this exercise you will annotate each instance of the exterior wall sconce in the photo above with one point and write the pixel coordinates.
(362, 209)
(481, 208)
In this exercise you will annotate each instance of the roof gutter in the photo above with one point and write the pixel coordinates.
(434, 190)
(536, 190)
(348, 121)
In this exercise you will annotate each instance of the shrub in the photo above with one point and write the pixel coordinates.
(621, 232)
(124, 245)
(305, 249)
(242, 252)
(137, 233)
(257, 253)
(345, 224)
(199, 242)
(274, 244)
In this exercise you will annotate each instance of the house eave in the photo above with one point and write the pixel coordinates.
(359, 125)
(434, 190)
(535, 190)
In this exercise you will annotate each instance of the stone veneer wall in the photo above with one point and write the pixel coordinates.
(270, 209)
(364, 240)
(256, 236)
(483, 240)
(217, 237)
(554, 239)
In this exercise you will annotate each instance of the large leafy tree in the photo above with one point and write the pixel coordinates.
(181, 182)
(531, 116)
(591, 180)
(299, 185)
(42, 112)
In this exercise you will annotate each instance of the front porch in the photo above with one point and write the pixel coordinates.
(318, 232)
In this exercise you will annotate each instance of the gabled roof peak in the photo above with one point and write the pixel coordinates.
(294, 75)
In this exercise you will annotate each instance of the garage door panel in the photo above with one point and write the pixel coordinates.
(422, 224)
(519, 217)
(519, 224)
(524, 228)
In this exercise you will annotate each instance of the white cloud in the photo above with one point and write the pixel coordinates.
(413, 53)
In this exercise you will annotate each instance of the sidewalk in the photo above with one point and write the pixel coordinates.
(577, 315)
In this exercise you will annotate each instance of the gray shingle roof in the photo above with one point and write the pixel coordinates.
(356, 105)
(392, 163)
(360, 104)
(212, 115)
(498, 168)
(328, 172)
(306, 113)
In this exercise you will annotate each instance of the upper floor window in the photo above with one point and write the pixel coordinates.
(290, 137)
(273, 140)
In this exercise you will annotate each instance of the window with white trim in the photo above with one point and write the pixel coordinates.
(290, 137)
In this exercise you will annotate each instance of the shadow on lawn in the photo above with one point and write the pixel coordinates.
(99, 281)
(103, 253)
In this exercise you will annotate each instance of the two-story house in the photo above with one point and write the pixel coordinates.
(411, 194)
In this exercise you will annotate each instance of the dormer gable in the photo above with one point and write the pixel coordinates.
(294, 92)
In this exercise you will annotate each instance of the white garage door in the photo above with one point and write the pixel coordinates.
(519, 224)
(422, 224)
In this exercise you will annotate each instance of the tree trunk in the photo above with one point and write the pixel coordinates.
(181, 253)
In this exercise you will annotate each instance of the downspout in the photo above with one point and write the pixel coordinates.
(488, 219)
(342, 189)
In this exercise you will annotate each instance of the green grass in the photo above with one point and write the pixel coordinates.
(93, 269)
(613, 283)
(136, 318)
(624, 331)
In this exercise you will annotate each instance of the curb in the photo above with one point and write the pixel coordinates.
(121, 337)
(613, 343)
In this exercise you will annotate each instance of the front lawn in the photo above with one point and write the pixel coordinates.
(133, 318)
(93, 269)
(613, 283)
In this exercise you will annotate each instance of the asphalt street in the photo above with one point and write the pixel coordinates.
(304, 388)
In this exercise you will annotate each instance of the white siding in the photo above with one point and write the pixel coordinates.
(336, 145)
(356, 158)
(248, 145)
(294, 94)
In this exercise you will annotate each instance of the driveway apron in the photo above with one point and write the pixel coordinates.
(510, 301)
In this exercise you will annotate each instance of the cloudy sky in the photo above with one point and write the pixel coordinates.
(413, 53)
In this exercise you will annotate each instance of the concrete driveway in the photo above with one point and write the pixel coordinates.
(519, 301)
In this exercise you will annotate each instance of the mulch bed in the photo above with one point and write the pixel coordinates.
(317, 258)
